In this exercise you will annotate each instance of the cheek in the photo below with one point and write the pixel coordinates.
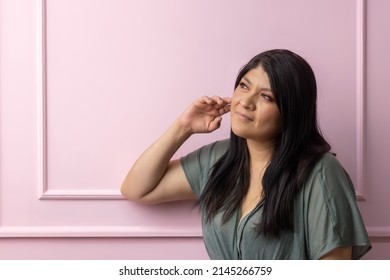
(235, 98)
(277, 122)
(270, 119)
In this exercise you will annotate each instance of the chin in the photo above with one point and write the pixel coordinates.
(240, 132)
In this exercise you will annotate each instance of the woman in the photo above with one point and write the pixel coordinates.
(271, 191)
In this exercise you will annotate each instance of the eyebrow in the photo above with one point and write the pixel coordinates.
(249, 82)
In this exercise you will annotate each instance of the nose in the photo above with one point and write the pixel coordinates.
(247, 102)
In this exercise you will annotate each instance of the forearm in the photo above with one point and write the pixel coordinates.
(151, 166)
(154, 177)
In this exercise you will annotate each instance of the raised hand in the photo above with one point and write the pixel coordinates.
(155, 177)
(204, 115)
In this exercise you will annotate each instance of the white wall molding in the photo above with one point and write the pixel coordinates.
(44, 193)
(130, 231)
(85, 231)
(41, 98)
(43, 188)
(361, 94)
(381, 231)
(81, 194)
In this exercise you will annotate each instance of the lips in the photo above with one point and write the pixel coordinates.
(244, 116)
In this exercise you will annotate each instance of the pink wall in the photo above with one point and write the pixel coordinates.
(86, 86)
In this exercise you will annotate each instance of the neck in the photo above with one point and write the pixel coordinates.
(260, 153)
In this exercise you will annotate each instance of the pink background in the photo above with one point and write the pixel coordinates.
(86, 86)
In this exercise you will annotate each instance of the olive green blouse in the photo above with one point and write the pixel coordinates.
(325, 215)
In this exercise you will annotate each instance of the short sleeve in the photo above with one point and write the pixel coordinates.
(333, 218)
(198, 164)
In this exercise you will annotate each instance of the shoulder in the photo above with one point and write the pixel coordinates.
(218, 148)
(330, 168)
(210, 152)
(205, 157)
(329, 179)
(332, 218)
(328, 163)
(197, 164)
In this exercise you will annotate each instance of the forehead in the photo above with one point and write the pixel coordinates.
(257, 77)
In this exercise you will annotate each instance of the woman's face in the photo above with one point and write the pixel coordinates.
(254, 113)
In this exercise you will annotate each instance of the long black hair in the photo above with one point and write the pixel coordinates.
(298, 147)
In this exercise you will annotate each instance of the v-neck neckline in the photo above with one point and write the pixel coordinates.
(240, 225)
(241, 218)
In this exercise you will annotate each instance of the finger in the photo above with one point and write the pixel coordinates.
(204, 102)
(204, 99)
(225, 109)
(215, 124)
(211, 100)
(227, 100)
(218, 100)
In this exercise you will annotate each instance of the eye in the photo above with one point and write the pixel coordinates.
(267, 97)
(243, 85)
